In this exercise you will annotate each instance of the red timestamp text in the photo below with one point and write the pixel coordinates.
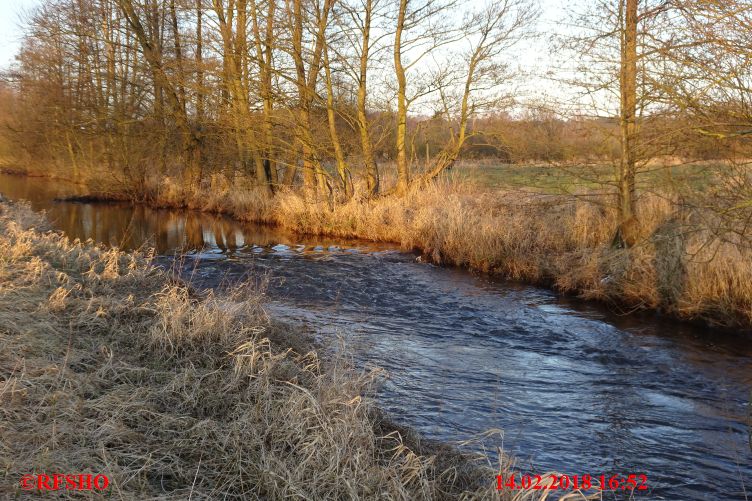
(518, 481)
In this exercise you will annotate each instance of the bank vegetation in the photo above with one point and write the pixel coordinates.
(350, 117)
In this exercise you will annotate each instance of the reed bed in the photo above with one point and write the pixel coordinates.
(682, 265)
(109, 365)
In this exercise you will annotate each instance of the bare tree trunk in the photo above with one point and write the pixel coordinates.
(178, 54)
(199, 63)
(403, 169)
(628, 82)
(234, 45)
(107, 25)
(369, 161)
(342, 170)
(313, 173)
(450, 153)
(291, 170)
(110, 24)
(156, 48)
(154, 59)
(264, 52)
(304, 120)
(240, 59)
(126, 97)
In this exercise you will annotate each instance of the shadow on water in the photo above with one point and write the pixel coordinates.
(575, 387)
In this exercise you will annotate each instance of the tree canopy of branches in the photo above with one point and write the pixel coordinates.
(276, 91)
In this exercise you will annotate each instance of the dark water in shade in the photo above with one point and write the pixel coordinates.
(576, 388)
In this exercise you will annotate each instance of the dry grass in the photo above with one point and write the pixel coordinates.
(688, 263)
(680, 266)
(107, 365)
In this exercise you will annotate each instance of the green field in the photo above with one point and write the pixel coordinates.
(578, 178)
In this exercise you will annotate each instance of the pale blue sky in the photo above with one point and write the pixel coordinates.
(10, 33)
(11, 11)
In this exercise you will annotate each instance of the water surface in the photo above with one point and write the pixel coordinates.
(576, 388)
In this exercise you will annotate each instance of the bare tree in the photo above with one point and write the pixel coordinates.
(625, 79)
(264, 45)
(165, 85)
(490, 31)
(307, 69)
(627, 120)
(343, 171)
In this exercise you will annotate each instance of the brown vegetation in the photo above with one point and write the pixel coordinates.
(269, 92)
(108, 366)
(331, 116)
(682, 262)
(338, 117)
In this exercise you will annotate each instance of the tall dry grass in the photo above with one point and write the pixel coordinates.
(681, 265)
(107, 365)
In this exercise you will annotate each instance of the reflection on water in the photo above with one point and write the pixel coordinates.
(575, 388)
(131, 227)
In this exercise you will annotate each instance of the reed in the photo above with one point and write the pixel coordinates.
(680, 266)
(110, 365)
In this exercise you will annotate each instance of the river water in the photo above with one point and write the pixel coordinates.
(575, 387)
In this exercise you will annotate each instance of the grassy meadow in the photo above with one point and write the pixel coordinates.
(579, 177)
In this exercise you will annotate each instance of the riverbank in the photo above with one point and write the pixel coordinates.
(110, 366)
(681, 266)
(686, 264)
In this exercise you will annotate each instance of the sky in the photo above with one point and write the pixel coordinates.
(10, 32)
(12, 10)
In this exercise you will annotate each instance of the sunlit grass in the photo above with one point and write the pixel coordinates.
(111, 366)
(680, 265)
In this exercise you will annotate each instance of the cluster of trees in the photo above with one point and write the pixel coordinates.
(266, 88)
(674, 72)
(329, 93)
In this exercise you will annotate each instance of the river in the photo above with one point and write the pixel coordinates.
(576, 388)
